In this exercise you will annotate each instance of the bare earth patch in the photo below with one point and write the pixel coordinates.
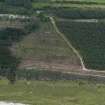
(54, 65)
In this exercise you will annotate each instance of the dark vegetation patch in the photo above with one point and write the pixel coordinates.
(78, 13)
(22, 7)
(7, 60)
(20, 3)
(14, 10)
(89, 39)
(9, 36)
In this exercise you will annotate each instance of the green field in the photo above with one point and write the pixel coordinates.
(88, 38)
(53, 92)
(58, 5)
(68, 3)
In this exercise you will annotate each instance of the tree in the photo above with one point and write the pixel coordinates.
(8, 61)
(8, 64)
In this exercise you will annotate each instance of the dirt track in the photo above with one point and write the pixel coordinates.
(68, 43)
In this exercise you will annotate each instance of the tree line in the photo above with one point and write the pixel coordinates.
(24, 3)
(9, 62)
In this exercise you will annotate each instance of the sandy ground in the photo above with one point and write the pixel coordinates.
(7, 103)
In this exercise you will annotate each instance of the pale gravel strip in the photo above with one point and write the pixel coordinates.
(10, 103)
(12, 16)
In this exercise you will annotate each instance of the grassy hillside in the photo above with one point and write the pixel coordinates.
(46, 49)
(53, 93)
(88, 38)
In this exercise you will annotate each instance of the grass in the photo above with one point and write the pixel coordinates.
(53, 92)
(69, 3)
(44, 41)
(57, 5)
